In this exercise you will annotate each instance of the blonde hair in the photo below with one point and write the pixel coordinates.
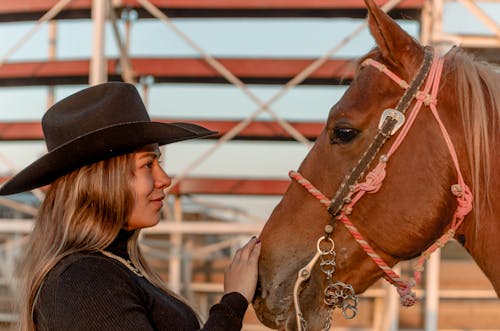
(478, 85)
(83, 211)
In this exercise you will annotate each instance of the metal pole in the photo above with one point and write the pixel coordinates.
(174, 264)
(126, 66)
(426, 21)
(392, 311)
(437, 26)
(145, 91)
(52, 56)
(432, 292)
(391, 315)
(437, 16)
(98, 68)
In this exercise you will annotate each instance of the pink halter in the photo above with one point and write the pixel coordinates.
(374, 179)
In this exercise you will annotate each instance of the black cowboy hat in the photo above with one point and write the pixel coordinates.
(95, 124)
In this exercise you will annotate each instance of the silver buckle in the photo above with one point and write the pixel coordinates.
(394, 114)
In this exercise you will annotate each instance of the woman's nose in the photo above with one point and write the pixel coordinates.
(162, 180)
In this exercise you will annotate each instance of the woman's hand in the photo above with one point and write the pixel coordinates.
(241, 275)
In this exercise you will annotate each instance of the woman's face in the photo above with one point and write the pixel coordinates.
(148, 184)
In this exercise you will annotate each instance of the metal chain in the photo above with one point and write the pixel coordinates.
(341, 295)
(328, 323)
(303, 322)
(328, 263)
(338, 294)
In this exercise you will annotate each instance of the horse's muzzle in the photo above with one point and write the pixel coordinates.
(271, 319)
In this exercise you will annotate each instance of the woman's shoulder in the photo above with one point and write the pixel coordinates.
(79, 260)
(78, 274)
(89, 268)
(89, 288)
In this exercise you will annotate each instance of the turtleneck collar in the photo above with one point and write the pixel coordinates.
(119, 245)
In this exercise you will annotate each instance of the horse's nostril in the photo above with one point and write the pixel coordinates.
(259, 291)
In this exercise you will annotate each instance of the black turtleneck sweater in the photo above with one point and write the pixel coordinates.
(93, 292)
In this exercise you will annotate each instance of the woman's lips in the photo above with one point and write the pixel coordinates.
(157, 201)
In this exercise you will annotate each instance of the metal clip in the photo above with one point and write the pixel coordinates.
(302, 276)
(395, 115)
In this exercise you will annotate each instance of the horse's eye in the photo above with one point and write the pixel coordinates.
(343, 135)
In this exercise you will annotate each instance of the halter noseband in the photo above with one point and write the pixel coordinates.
(351, 191)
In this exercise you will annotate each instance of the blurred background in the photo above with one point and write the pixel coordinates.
(264, 73)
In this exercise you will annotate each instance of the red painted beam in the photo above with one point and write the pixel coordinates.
(26, 6)
(31, 10)
(257, 130)
(250, 70)
(221, 186)
(224, 186)
(263, 130)
(21, 131)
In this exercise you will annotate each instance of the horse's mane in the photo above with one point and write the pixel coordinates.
(478, 93)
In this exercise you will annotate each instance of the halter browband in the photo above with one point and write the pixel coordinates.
(351, 191)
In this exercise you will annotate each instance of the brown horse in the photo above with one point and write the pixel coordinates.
(414, 206)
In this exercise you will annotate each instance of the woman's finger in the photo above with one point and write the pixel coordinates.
(237, 256)
(248, 248)
(255, 253)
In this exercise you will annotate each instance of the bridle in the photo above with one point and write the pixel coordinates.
(340, 295)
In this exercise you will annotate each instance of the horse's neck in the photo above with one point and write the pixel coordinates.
(481, 237)
(482, 241)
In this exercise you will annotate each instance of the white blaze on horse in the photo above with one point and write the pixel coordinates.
(408, 159)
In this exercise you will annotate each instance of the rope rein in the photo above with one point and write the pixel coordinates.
(374, 179)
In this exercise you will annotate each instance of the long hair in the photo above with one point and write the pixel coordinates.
(478, 86)
(83, 211)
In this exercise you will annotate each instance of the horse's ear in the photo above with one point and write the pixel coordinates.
(390, 37)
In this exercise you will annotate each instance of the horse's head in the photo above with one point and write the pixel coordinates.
(409, 212)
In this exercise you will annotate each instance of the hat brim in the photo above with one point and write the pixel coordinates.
(99, 145)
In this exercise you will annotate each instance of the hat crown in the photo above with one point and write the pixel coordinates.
(92, 109)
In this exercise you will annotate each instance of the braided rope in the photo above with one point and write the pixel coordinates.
(393, 277)
(310, 188)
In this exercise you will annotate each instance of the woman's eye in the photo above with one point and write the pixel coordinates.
(343, 135)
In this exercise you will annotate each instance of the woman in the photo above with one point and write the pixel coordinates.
(83, 269)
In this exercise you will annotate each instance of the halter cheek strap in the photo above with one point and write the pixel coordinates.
(374, 179)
